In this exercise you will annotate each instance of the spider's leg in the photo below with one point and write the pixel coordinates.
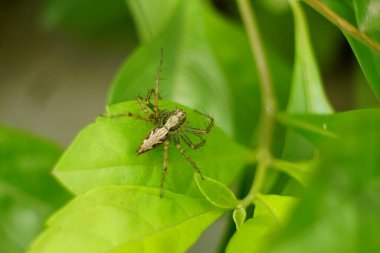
(191, 144)
(156, 95)
(142, 105)
(147, 100)
(165, 167)
(178, 146)
(202, 131)
(127, 114)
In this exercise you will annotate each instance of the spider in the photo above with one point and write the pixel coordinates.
(169, 126)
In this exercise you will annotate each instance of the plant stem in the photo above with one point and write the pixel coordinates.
(343, 24)
(268, 99)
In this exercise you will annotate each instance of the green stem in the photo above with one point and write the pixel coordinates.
(343, 24)
(268, 99)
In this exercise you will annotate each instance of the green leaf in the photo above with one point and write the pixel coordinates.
(28, 193)
(104, 153)
(215, 79)
(365, 15)
(271, 213)
(239, 216)
(369, 62)
(307, 94)
(340, 212)
(126, 219)
(217, 193)
(301, 171)
(145, 13)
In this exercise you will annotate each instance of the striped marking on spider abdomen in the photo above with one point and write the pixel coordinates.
(156, 137)
(159, 134)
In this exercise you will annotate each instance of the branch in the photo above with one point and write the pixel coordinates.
(268, 98)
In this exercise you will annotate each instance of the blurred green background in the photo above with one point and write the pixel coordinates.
(58, 59)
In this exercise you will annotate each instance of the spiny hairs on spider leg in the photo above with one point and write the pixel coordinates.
(169, 126)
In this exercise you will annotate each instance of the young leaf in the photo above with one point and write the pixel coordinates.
(307, 94)
(217, 193)
(239, 216)
(126, 219)
(271, 213)
(340, 212)
(104, 153)
(28, 192)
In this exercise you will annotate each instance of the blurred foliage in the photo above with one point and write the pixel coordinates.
(28, 193)
(322, 186)
(339, 213)
(96, 19)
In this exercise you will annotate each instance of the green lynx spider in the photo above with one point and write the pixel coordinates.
(169, 126)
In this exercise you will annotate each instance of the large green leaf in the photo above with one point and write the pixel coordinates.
(104, 153)
(340, 212)
(126, 219)
(199, 70)
(271, 213)
(191, 74)
(28, 193)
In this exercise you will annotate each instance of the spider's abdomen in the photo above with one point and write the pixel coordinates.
(157, 136)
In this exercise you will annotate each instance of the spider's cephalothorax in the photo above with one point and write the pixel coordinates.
(169, 126)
